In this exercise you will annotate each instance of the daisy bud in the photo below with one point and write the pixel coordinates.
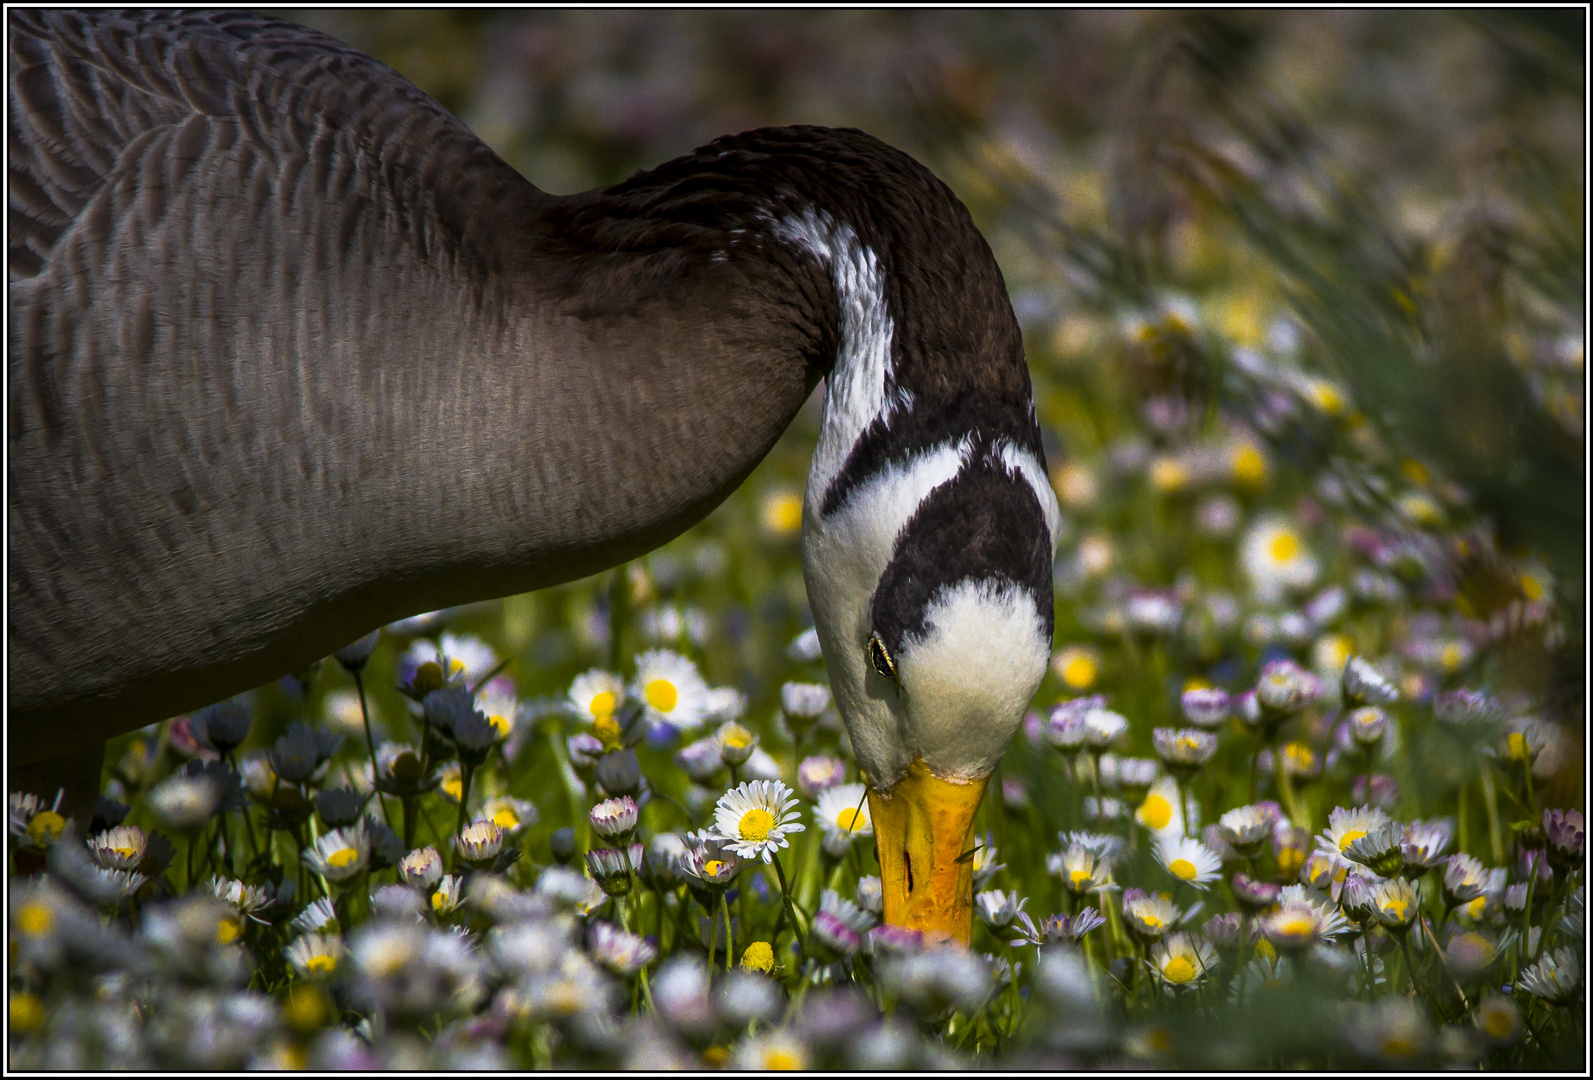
(1368, 725)
(1362, 684)
(421, 868)
(614, 819)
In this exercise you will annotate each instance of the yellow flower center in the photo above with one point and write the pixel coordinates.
(1284, 546)
(500, 724)
(342, 858)
(1395, 907)
(716, 1056)
(602, 705)
(1156, 812)
(756, 824)
(124, 852)
(321, 965)
(1189, 743)
(662, 695)
(1326, 397)
(35, 919)
(1299, 755)
(1349, 838)
(738, 741)
(1475, 907)
(758, 957)
(607, 728)
(782, 514)
(1249, 467)
(1151, 921)
(228, 930)
(1300, 925)
(1498, 1024)
(1183, 868)
(455, 666)
(307, 1007)
(453, 787)
(1398, 1046)
(1289, 861)
(1450, 656)
(506, 818)
(852, 819)
(439, 901)
(1079, 878)
(45, 827)
(781, 1061)
(712, 867)
(1179, 969)
(1517, 744)
(1079, 672)
(1168, 475)
(26, 1013)
(1415, 472)
(1531, 587)
(1264, 948)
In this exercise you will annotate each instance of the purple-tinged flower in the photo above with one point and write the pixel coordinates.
(614, 819)
(1566, 838)
(1206, 707)
(889, 940)
(1055, 929)
(818, 774)
(1252, 893)
(1381, 792)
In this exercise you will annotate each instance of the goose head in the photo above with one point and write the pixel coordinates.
(929, 525)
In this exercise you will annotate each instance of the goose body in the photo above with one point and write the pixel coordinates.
(293, 354)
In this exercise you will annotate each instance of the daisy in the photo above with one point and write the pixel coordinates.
(754, 818)
(315, 956)
(248, 899)
(1276, 560)
(1188, 860)
(339, 854)
(468, 654)
(596, 695)
(448, 895)
(670, 687)
(1102, 727)
(818, 774)
(480, 841)
(614, 819)
(736, 744)
(1055, 928)
(1557, 978)
(1181, 961)
(316, 917)
(1149, 915)
(421, 868)
(843, 811)
(1205, 706)
(1184, 751)
(511, 814)
(804, 700)
(499, 705)
(1160, 812)
(1080, 868)
(709, 861)
(1394, 904)
(997, 908)
(619, 951)
(985, 865)
(1246, 828)
(1347, 826)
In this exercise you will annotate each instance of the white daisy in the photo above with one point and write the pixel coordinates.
(1276, 559)
(843, 810)
(510, 813)
(315, 956)
(669, 685)
(596, 695)
(1347, 826)
(499, 705)
(340, 854)
(1161, 812)
(1188, 860)
(754, 817)
(475, 655)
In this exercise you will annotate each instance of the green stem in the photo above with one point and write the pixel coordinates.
(730, 941)
(466, 772)
(1490, 802)
(785, 901)
(370, 744)
(1280, 773)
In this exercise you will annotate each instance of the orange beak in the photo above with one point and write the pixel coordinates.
(924, 828)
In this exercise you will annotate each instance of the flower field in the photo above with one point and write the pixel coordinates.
(1302, 297)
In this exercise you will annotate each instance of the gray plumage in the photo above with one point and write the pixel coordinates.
(292, 354)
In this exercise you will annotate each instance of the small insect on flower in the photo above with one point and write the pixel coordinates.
(1557, 978)
(670, 688)
(614, 819)
(1188, 860)
(340, 854)
(755, 817)
(315, 956)
(1149, 915)
(843, 811)
(1181, 962)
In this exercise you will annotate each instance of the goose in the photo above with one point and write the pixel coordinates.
(293, 354)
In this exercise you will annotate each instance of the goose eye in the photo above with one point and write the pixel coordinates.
(880, 657)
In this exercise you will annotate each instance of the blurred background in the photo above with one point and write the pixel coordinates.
(1379, 212)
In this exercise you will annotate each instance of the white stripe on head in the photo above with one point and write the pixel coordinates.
(856, 391)
(1022, 463)
(843, 556)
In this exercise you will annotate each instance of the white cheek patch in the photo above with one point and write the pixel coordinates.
(856, 392)
(1022, 463)
(968, 679)
(843, 556)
